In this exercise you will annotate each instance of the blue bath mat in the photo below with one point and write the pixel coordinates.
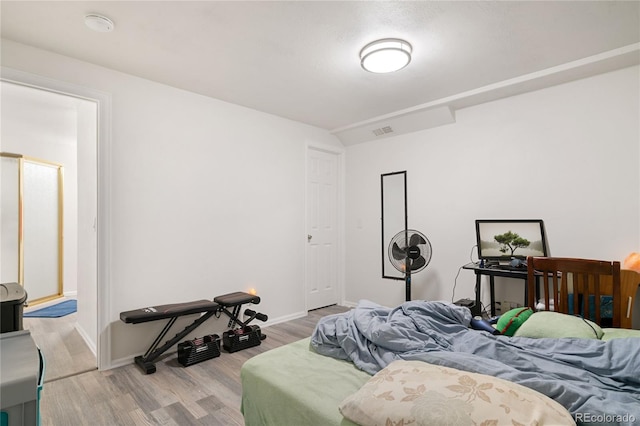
(54, 311)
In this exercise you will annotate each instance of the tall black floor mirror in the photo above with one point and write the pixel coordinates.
(393, 189)
(404, 251)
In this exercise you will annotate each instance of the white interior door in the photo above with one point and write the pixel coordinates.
(322, 229)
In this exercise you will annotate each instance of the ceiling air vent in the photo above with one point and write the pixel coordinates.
(382, 131)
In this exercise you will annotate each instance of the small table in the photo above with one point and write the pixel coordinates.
(492, 272)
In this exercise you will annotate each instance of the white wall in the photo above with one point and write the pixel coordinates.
(568, 155)
(206, 197)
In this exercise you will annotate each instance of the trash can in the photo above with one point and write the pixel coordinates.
(12, 299)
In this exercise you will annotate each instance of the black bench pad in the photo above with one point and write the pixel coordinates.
(155, 313)
(237, 298)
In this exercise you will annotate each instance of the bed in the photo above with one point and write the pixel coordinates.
(420, 363)
(294, 385)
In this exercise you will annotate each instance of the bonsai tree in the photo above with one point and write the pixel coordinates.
(510, 241)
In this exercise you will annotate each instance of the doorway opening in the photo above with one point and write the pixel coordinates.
(43, 121)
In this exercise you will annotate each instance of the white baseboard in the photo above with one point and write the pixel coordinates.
(46, 304)
(92, 346)
(283, 319)
(349, 304)
(71, 294)
(120, 362)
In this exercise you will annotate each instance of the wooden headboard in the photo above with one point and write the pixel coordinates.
(629, 282)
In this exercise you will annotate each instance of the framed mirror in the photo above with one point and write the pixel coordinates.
(393, 194)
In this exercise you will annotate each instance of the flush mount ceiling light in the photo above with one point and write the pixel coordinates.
(99, 23)
(386, 55)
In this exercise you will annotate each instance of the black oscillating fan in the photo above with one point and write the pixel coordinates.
(409, 252)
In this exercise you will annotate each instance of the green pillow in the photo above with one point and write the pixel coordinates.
(555, 324)
(511, 320)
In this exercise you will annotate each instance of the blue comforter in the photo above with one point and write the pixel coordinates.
(591, 378)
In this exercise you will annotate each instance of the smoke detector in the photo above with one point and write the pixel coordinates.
(99, 23)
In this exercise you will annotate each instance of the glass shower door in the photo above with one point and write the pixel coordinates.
(32, 226)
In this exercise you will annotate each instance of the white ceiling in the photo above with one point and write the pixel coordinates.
(299, 59)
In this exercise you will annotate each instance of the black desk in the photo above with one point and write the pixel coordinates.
(493, 272)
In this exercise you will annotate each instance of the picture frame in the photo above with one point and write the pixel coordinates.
(506, 239)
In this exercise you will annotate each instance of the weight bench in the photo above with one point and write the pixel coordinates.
(245, 336)
(236, 300)
(206, 308)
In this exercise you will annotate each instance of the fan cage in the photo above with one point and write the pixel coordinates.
(402, 240)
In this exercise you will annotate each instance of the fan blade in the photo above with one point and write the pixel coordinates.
(416, 239)
(418, 263)
(397, 252)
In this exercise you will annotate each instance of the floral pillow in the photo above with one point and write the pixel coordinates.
(419, 394)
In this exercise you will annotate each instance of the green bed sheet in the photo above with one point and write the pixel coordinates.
(619, 333)
(294, 385)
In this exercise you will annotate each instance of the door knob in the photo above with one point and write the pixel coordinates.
(309, 237)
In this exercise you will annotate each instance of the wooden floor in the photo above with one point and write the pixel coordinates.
(207, 393)
(66, 353)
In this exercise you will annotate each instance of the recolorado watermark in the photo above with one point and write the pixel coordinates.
(604, 418)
